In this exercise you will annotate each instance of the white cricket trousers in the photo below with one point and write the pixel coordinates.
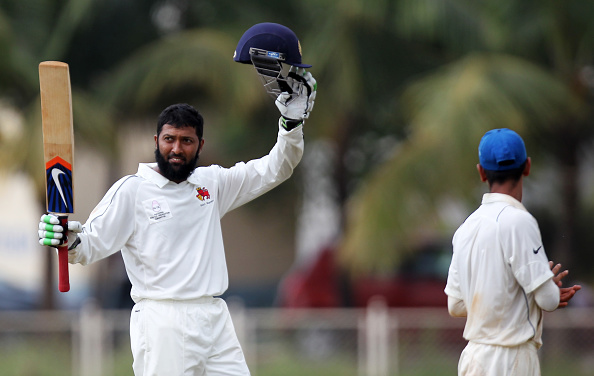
(488, 360)
(185, 338)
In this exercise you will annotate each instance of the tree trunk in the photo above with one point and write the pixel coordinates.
(565, 236)
(341, 174)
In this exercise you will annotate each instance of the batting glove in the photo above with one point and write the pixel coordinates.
(52, 233)
(298, 97)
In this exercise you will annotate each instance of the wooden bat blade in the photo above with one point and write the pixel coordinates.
(58, 149)
(58, 136)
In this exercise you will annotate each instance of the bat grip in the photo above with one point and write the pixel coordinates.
(63, 277)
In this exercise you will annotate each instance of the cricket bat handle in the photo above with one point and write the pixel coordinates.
(63, 277)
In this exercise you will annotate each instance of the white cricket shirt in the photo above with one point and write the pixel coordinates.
(498, 262)
(170, 234)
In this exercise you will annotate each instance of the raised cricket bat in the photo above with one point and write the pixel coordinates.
(58, 150)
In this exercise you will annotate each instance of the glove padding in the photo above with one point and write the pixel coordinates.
(51, 233)
(298, 96)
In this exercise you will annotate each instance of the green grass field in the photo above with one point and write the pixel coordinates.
(53, 357)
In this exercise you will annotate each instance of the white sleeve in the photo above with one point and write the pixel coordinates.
(246, 181)
(547, 296)
(110, 224)
(523, 249)
(456, 307)
(453, 288)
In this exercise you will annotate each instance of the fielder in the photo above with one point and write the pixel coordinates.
(500, 278)
(165, 220)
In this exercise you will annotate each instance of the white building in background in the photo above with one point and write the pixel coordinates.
(21, 257)
(20, 261)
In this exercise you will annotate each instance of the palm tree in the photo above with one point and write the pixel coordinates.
(493, 79)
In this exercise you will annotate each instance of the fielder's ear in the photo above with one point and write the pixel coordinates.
(481, 172)
(526, 171)
(156, 142)
(200, 146)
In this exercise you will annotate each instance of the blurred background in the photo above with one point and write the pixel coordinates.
(406, 90)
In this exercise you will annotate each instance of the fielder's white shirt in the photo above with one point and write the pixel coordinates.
(498, 262)
(170, 234)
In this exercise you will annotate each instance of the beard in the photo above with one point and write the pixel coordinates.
(172, 172)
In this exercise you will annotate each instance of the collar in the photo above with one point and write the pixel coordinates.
(193, 178)
(147, 171)
(489, 198)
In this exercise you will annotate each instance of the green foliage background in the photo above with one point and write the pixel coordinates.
(425, 77)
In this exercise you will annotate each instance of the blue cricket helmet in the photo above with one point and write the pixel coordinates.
(270, 40)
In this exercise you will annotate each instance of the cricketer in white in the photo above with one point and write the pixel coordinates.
(500, 278)
(166, 221)
(170, 234)
(170, 237)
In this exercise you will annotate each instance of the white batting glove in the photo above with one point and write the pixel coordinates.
(296, 106)
(52, 233)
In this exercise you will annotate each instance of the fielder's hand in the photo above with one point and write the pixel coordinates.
(52, 233)
(296, 105)
(566, 293)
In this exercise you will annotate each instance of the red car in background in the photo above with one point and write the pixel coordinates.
(418, 282)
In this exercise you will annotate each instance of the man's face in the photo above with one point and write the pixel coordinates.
(177, 151)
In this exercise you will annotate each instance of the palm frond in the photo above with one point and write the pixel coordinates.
(70, 18)
(449, 112)
(95, 123)
(200, 58)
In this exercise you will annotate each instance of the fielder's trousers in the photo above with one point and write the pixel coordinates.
(489, 360)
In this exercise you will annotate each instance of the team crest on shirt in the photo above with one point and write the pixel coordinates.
(202, 193)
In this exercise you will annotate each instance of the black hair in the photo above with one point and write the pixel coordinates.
(513, 174)
(181, 115)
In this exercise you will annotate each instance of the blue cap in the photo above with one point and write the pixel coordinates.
(501, 150)
(273, 40)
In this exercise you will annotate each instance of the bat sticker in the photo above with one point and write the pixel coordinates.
(58, 174)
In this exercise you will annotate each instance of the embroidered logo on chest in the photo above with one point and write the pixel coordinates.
(157, 209)
(202, 194)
